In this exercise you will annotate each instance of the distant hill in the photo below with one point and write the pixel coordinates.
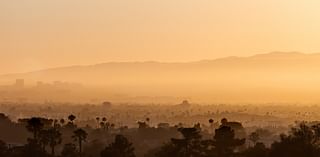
(272, 76)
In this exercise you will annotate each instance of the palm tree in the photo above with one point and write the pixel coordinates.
(80, 136)
(54, 139)
(103, 123)
(62, 121)
(148, 121)
(98, 121)
(71, 118)
(44, 138)
(112, 125)
(55, 123)
(35, 126)
(211, 121)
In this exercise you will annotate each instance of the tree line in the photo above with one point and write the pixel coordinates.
(302, 140)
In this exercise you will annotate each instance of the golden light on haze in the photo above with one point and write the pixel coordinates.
(156, 78)
(37, 34)
(40, 34)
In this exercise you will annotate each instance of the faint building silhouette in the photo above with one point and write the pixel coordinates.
(19, 83)
(40, 84)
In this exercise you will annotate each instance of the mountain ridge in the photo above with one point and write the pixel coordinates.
(270, 65)
(270, 77)
(265, 55)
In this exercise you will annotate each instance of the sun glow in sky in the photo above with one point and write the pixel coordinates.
(36, 34)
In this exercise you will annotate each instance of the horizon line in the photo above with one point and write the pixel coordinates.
(161, 62)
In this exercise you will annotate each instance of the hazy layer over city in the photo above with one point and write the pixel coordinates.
(159, 78)
(164, 48)
(286, 77)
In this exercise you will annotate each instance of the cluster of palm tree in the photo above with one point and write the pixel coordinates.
(104, 124)
(46, 136)
(303, 140)
(52, 136)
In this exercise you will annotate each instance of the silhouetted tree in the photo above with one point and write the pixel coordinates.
(71, 118)
(54, 139)
(44, 138)
(235, 126)
(62, 121)
(33, 149)
(211, 121)
(98, 121)
(112, 125)
(303, 141)
(224, 121)
(3, 117)
(80, 136)
(259, 150)
(121, 147)
(55, 123)
(35, 126)
(143, 125)
(102, 125)
(225, 141)
(190, 146)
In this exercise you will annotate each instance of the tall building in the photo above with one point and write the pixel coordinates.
(19, 83)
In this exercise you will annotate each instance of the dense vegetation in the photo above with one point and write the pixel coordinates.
(63, 138)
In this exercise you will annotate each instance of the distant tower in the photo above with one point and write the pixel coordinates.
(19, 83)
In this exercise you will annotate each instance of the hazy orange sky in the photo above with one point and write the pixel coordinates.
(36, 34)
